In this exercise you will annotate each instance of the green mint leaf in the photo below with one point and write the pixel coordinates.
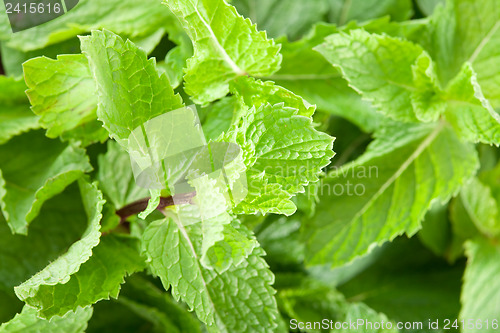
(153, 203)
(280, 18)
(98, 278)
(231, 250)
(130, 90)
(212, 205)
(118, 183)
(480, 289)
(280, 163)
(13, 59)
(61, 270)
(427, 100)
(343, 11)
(238, 300)
(19, 257)
(222, 245)
(47, 167)
(63, 93)
(396, 66)
(28, 322)
(307, 73)
(480, 207)
(130, 18)
(225, 46)
(15, 116)
(426, 162)
(256, 93)
(469, 112)
(468, 31)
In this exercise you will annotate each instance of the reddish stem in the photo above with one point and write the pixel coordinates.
(138, 206)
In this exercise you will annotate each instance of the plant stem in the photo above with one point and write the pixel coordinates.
(138, 206)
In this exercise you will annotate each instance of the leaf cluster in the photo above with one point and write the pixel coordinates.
(400, 224)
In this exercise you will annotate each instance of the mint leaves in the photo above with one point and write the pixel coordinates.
(59, 89)
(371, 213)
(173, 252)
(250, 166)
(225, 42)
(26, 183)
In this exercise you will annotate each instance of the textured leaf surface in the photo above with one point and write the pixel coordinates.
(256, 93)
(63, 93)
(391, 86)
(98, 278)
(469, 31)
(387, 191)
(480, 294)
(44, 169)
(238, 300)
(231, 250)
(61, 270)
(28, 322)
(225, 46)
(470, 113)
(124, 17)
(15, 116)
(307, 73)
(282, 152)
(130, 91)
(222, 244)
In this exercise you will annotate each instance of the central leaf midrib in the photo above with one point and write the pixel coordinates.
(198, 265)
(483, 42)
(234, 67)
(421, 147)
